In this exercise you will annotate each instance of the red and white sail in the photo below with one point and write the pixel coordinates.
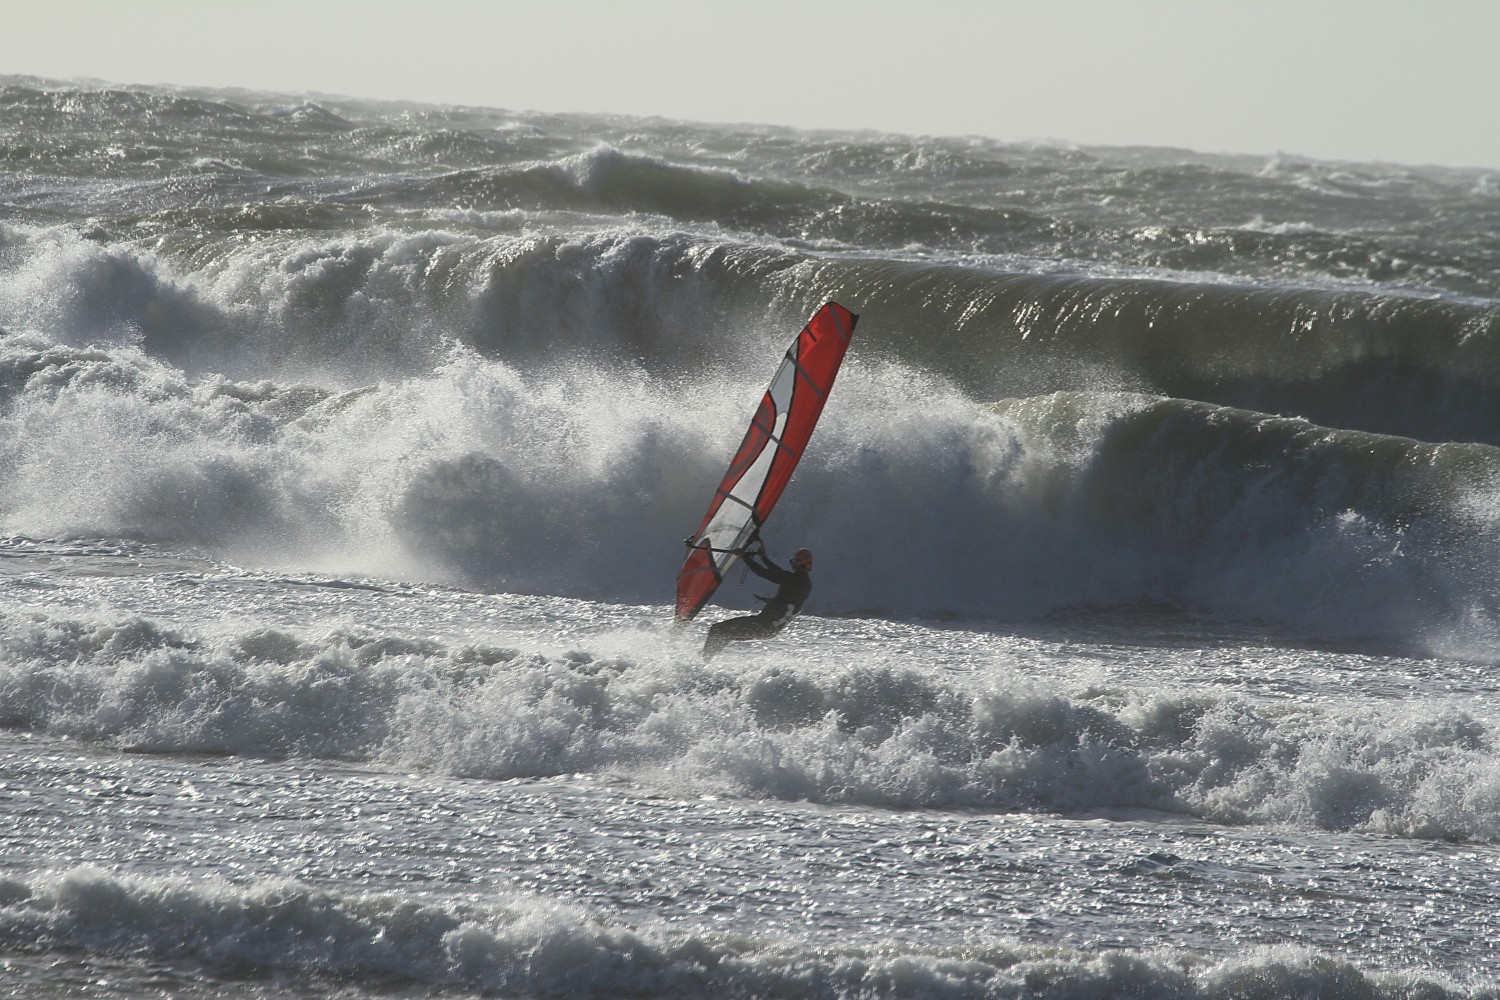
(763, 465)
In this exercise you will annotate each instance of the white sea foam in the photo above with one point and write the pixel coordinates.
(1259, 224)
(889, 732)
(573, 480)
(534, 948)
(350, 445)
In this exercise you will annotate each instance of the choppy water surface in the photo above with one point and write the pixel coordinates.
(347, 448)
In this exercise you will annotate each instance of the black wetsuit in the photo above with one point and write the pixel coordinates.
(792, 590)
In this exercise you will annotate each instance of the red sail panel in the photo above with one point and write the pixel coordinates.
(763, 464)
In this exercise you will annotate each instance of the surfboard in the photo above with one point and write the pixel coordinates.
(760, 470)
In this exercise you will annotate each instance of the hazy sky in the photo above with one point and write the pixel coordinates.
(1410, 81)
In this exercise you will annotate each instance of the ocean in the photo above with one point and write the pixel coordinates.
(346, 453)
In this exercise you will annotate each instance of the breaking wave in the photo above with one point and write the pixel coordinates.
(525, 947)
(884, 734)
(500, 353)
(578, 481)
(388, 303)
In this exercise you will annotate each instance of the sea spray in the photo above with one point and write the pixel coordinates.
(347, 448)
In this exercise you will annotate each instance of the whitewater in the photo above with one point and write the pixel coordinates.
(346, 453)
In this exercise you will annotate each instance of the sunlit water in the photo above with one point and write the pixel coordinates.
(345, 454)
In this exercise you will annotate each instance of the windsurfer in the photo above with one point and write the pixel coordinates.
(792, 589)
(763, 464)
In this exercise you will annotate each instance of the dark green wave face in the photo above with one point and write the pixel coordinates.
(513, 349)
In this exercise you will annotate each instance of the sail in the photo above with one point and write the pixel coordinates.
(762, 467)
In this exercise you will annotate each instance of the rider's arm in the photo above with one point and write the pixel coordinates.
(766, 570)
(761, 567)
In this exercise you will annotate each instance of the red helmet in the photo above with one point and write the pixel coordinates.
(802, 559)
